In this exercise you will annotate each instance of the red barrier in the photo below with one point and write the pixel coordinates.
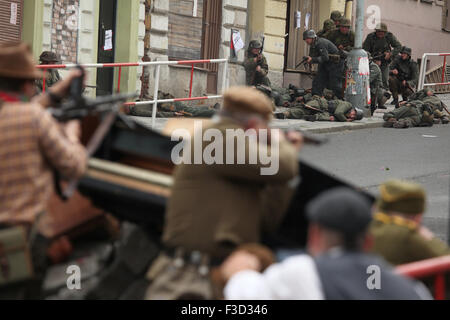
(437, 268)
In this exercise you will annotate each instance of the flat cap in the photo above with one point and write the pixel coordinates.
(341, 209)
(247, 100)
(402, 197)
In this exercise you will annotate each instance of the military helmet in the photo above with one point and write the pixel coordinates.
(328, 24)
(309, 34)
(381, 27)
(406, 50)
(336, 15)
(359, 114)
(255, 44)
(344, 22)
(48, 56)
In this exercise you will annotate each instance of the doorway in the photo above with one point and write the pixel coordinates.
(106, 46)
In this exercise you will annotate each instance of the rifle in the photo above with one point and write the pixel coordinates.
(309, 138)
(77, 107)
(303, 62)
(402, 77)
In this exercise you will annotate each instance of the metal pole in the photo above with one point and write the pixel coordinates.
(155, 96)
(359, 24)
(358, 75)
(224, 77)
(120, 79)
(192, 80)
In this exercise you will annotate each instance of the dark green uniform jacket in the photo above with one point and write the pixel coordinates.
(253, 77)
(407, 70)
(399, 241)
(338, 38)
(376, 46)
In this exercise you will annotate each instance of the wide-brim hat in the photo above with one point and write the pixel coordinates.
(247, 100)
(16, 61)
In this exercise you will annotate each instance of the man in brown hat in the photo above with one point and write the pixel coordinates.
(397, 229)
(32, 145)
(233, 213)
(51, 75)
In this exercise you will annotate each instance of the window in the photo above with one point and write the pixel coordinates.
(185, 29)
(11, 12)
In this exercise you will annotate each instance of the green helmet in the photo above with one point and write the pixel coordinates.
(309, 34)
(328, 25)
(406, 50)
(336, 15)
(381, 27)
(255, 44)
(359, 114)
(344, 22)
(48, 57)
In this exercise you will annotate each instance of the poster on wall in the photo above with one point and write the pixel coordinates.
(13, 18)
(307, 19)
(298, 20)
(108, 40)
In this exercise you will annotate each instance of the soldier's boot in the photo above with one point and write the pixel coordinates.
(389, 123)
(281, 115)
(437, 121)
(445, 120)
(402, 124)
(386, 96)
(311, 118)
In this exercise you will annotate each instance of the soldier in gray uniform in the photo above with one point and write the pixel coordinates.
(384, 44)
(379, 96)
(52, 75)
(331, 67)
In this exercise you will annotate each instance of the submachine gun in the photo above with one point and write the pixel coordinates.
(78, 107)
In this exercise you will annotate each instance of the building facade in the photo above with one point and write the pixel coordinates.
(87, 31)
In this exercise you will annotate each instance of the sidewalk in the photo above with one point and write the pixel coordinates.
(313, 127)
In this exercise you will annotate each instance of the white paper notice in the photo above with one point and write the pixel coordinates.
(364, 69)
(307, 18)
(194, 11)
(237, 41)
(108, 40)
(13, 19)
(298, 19)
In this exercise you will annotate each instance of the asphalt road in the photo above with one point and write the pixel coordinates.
(367, 158)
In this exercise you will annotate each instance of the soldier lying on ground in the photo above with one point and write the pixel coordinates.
(175, 109)
(413, 113)
(423, 108)
(428, 97)
(320, 109)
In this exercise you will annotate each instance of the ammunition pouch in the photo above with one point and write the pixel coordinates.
(15, 256)
(335, 58)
